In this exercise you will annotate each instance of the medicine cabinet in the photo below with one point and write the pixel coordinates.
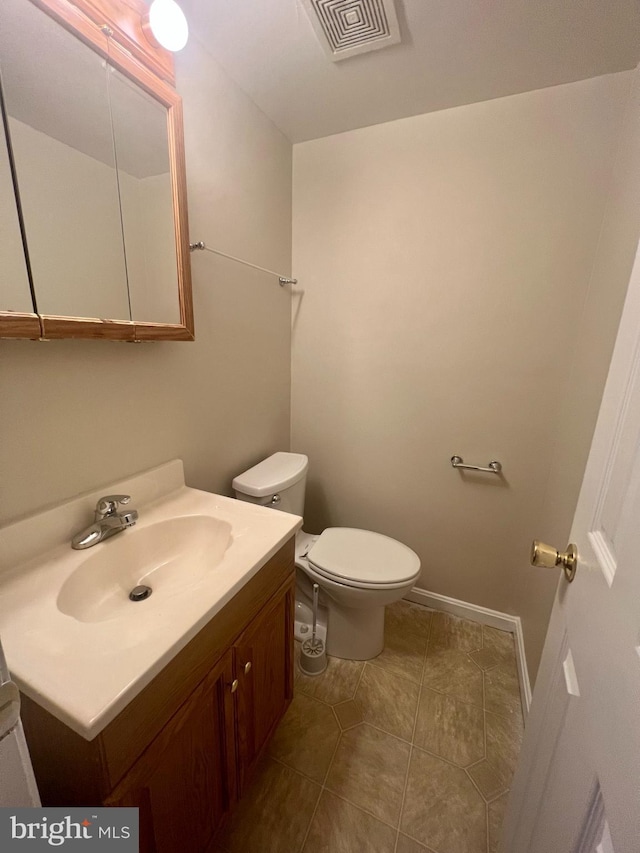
(93, 214)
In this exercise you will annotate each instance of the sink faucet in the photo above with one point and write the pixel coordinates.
(108, 521)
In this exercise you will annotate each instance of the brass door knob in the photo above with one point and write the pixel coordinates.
(548, 557)
(247, 667)
(234, 685)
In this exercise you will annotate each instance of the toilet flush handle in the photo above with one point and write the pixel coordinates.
(275, 500)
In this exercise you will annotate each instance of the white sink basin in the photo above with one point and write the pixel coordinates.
(74, 641)
(169, 557)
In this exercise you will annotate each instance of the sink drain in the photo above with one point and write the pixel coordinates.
(139, 593)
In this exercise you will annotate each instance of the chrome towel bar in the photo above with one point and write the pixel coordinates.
(202, 247)
(493, 467)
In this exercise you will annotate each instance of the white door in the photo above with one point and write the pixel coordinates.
(577, 785)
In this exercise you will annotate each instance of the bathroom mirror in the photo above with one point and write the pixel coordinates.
(60, 132)
(96, 142)
(144, 178)
(15, 292)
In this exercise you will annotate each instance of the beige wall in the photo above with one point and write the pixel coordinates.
(76, 414)
(14, 284)
(443, 259)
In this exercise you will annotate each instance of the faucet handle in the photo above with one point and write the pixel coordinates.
(108, 505)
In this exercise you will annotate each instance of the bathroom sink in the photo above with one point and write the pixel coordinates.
(76, 643)
(169, 557)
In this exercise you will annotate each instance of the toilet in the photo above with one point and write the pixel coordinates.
(358, 571)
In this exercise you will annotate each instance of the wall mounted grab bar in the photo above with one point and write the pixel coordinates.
(494, 467)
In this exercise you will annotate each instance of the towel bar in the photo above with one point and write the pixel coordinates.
(493, 467)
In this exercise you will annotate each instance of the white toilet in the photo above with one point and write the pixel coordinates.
(359, 572)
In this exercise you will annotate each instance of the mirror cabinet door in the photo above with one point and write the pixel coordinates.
(95, 133)
(141, 138)
(57, 101)
(15, 290)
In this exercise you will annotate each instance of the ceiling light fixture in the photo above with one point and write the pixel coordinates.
(166, 25)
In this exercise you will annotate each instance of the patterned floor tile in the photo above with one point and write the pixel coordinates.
(275, 813)
(449, 728)
(451, 632)
(442, 809)
(454, 673)
(502, 690)
(351, 728)
(500, 642)
(336, 684)
(338, 826)
(388, 701)
(306, 738)
(408, 845)
(408, 618)
(504, 736)
(496, 811)
(485, 658)
(349, 714)
(403, 653)
(369, 770)
(488, 781)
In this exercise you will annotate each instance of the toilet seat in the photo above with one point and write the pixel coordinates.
(363, 559)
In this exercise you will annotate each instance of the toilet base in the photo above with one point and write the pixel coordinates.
(355, 616)
(347, 632)
(355, 633)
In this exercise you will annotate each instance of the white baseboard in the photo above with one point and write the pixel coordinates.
(483, 616)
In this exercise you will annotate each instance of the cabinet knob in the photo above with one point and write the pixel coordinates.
(234, 685)
(247, 667)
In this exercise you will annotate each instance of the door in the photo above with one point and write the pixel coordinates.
(184, 782)
(263, 659)
(577, 786)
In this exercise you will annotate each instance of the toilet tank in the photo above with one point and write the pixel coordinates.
(278, 481)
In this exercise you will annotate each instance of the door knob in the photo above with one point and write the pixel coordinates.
(548, 557)
(247, 667)
(234, 685)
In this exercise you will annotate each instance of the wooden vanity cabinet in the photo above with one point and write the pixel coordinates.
(184, 782)
(183, 751)
(263, 660)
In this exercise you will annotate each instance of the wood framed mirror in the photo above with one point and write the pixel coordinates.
(95, 233)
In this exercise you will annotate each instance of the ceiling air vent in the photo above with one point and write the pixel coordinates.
(348, 27)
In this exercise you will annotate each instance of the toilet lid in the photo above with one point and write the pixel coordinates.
(363, 557)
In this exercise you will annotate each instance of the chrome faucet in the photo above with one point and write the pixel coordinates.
(108, 521)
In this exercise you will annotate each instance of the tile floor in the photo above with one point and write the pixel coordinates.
(412, 752)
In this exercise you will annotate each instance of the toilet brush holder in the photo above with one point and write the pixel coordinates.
(313, 657)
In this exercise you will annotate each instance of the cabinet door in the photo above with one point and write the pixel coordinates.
(263, 660)
(184, 782)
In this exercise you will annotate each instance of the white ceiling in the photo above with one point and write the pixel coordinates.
(453, 52)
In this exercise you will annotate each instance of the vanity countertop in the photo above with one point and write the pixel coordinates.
(86, 672)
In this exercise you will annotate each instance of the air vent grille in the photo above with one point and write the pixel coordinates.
(348, 27)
